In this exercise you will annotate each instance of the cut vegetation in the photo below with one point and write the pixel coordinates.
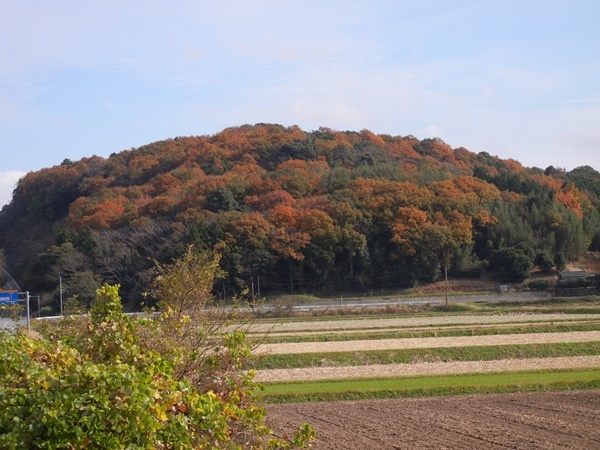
(504, 349)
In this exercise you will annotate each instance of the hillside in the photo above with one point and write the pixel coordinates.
(290, 210)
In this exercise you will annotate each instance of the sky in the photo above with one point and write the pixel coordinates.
(517, 79)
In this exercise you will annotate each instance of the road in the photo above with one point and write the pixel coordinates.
(10, 324)
(433, 299)
(371, 302)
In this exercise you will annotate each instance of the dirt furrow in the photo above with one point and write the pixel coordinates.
(485, 422)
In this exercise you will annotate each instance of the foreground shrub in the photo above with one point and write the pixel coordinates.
(94, 382)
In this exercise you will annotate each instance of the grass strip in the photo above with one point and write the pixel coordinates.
(473, 330)
(431, 386)
(414, 355)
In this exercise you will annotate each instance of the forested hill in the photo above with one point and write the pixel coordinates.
(303, 211)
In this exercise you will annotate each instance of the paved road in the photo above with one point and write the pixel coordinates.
(366, 302)
(433, 299)
(9, 324)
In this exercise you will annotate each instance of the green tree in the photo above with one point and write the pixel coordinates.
(2, 267)
(560, 261)
(221, 199)
(513, 264)
(544, 260)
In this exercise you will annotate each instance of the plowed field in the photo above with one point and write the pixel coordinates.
(541, 420)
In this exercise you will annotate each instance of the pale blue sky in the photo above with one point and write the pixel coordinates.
(517, 79)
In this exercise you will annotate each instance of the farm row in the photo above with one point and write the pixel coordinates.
(410, 357)
(517, 349)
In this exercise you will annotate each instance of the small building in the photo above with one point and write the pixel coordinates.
(572, 275)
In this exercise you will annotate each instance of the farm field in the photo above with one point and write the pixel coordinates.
(535, 420)
(462, 341)
(468, 380)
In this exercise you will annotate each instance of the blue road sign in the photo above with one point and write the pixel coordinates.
(9, 298)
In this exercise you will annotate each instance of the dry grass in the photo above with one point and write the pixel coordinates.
(461, 341)
(456, 286)
(589, 262)
(425, 369)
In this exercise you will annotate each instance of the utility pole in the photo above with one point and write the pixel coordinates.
(61, 292)
(28, 313)
(446, 277)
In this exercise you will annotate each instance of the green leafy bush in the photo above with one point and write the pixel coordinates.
(93, 383)
(572, 283)
(538, 284)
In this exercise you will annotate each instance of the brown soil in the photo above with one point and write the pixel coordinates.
(439, 287)
(541, 420)
(589, 262)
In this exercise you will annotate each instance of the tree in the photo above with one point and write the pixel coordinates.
(544, 261)
(121, 256)
(82, 285)
(560, 261)
(2, 267)
(186, 331)
(221, 199)
(251, 190)
(98, 215)
(513, 264)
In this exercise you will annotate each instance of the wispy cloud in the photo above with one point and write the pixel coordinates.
(509, 77)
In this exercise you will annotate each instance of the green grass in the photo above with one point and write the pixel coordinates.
(469, 353)
(430, 386)
(468, 330)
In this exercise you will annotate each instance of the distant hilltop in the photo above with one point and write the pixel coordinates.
(320, 211)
